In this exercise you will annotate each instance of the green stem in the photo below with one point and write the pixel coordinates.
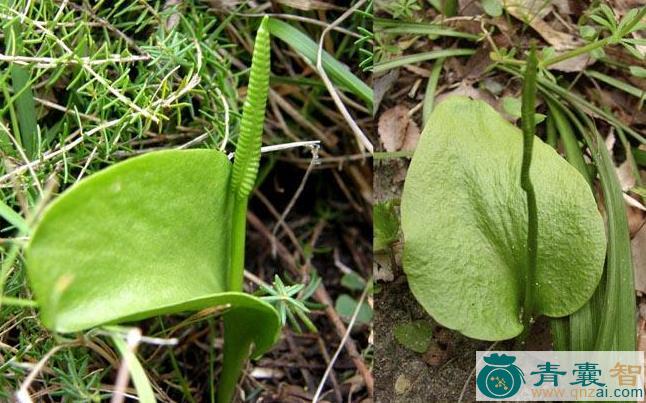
(596, 44)
(239, 227)
(528, 126)
(429, 96)
(577, 52)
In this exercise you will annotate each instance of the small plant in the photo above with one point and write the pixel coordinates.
(159, 234)
(404, 9)
(465, 225)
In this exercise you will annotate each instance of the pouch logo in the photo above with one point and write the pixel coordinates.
(500, 378)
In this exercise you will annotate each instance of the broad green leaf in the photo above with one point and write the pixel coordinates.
(492, 7)
(345, 306)
(464, 220)
(145, 237)
(512, 105)
(415, 335)
(352, 281)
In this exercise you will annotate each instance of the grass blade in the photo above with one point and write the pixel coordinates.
(420, 57)
(398, 27)
(25, 106)
(431, 87)
(338, 72)
(573, 152)
(627, 88)
(560, 329)
(617, 328)
(13, 218)
(137, 372)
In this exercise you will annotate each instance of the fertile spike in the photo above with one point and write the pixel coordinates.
(247, 156)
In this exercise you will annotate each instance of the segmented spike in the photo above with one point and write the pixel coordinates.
(247, 156)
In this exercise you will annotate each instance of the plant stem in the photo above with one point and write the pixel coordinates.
(429, 96)
(596, 44)
(577, 52)
(528, 126)
(238, 234)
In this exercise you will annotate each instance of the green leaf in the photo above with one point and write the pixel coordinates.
(390, 26)
(415, 335)
(640, 190)
(638, 71)
(13, 218)
(352, 281)
(338, 72)
(385, 224)
(419, 57)
(511, 106)
(24, 103)
(465, 260)
(345, 306)
(492, 7)
(148, 236)
(450, 7)
(587, 32)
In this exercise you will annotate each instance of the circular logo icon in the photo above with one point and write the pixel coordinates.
(500, 378)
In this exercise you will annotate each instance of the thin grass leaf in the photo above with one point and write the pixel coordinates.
(627, 88)
(431, 87)
(573, 152)
(137, 372)
(616, 323)
(420, 57)
(24, 104)
(552, 135)
(581, 329)
(397, 27)
(13, 218)
(338, 72)
(560, 329)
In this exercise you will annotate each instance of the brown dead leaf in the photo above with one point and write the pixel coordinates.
(397, 131)
(625, 175)
(574, 64)
(533, 13)
(382, 85)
